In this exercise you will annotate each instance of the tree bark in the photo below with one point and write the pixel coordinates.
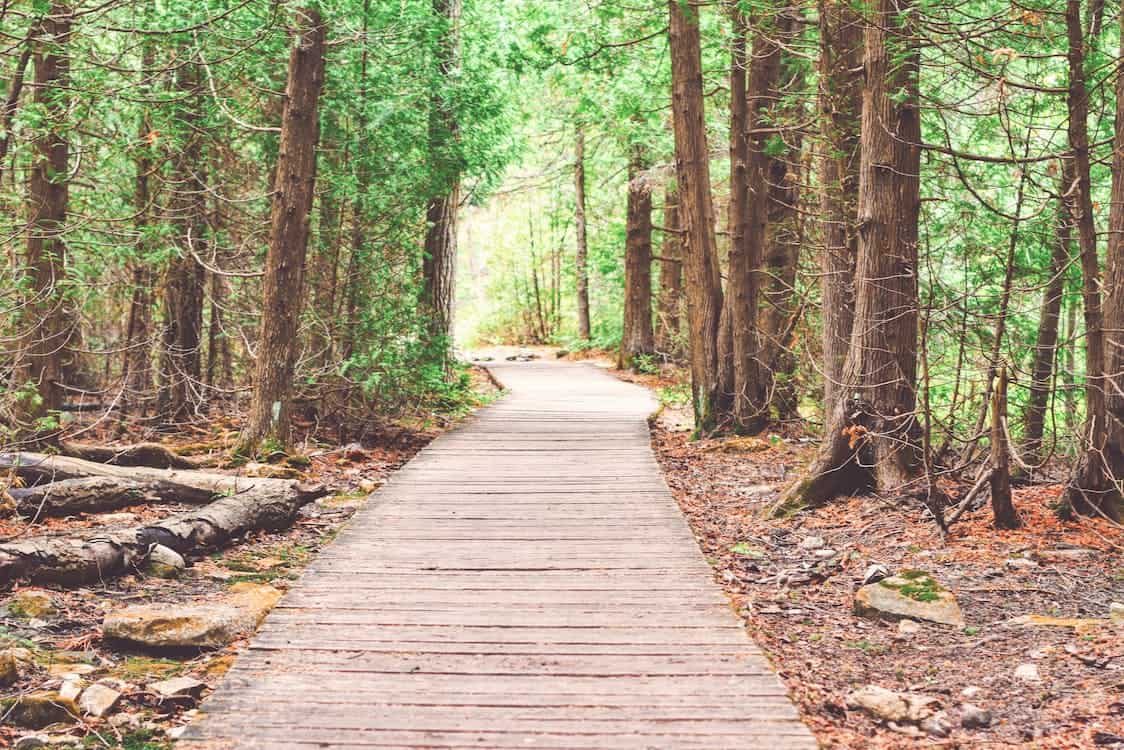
(48, 326)
(95, 495)
(139, 454)
(1046, 341)
(179, 393)
(840, 105)
(1002, 509)
(283, 285)
(440, 263)
(581, 254)
(670, 299)
(692, 162)
(637, 337)
(1091, 489)
(872, 437)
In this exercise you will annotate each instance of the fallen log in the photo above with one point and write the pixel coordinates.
(140, 454)
(98, 494)
(77, 561)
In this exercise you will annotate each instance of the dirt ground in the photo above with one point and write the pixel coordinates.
(797, 602)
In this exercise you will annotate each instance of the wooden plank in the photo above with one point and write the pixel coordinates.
(526, 581)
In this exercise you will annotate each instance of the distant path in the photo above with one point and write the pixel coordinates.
(527, 581)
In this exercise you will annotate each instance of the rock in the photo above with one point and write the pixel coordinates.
(875, 573)
(178, 687)
(176, 732)
(1028, 672)
(118, 519)
(937, 725)
(1079, 624)
(912, 594)
(98, 700)
(67, 669)
(124, 721)
(38, 710)
(974, 717)
(971, 691)
(1021, 563)
(366, 485)
(892, 706)
(202, 624)
(9, 668)
(1116, 612)
(825, 553)
(164, 562)
(31, 605)
(908, 627)
(72, 688)
(31, 742)
(812, 542)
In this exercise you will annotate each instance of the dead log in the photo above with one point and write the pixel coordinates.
(75, 561)
(98, 494)
(140, 454)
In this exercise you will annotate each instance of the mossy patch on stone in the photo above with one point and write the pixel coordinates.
(915, 584)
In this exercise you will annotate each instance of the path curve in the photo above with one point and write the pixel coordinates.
(526, 581)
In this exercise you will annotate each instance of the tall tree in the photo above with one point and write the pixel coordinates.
(692, 166)
(48, 328)
(581, 255)
(440, 262)
(840, 110)
(871, 438)
(1091, 489)
(669, 300)
(637, 337)
(283, 285)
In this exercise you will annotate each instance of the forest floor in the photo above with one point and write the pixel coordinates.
(66, 640)
(1059, 686)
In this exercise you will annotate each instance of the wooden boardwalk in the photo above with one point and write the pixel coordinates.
(527, 581)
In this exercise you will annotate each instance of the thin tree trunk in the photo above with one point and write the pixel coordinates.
(692, 162)
(15, 88)
(872, 439)
(670, 299)
(581, 255)
(283, 285)
(637, 338)
(840, 105)
(1002, 509)
(180, 358)
(1046, 341)
(48, 326)
(440, 263)
(1090, 489)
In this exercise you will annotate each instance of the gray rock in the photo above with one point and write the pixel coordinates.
(971, 691)
(125, 721)
(1020, 563)
(937, 725)
(825, 553)
(908, 627)
(98, 700)
(164, 562)
(913, 594)
(974, 717)
(72, 687)
(1028, 672)
(812, 542)
(178, 687)
(31, 742)
(203, 624)
(875, 572)
(889, 705)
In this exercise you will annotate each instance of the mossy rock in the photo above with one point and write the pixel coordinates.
(39, 710)
(912, 594)
(29, 605)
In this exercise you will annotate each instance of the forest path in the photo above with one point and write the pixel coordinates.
(526, 581)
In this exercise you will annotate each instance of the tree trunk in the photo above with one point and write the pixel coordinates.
(1002, 509)
(180, 359)
(15, 88)
(669, 301)
(840, 105)
(92, 495)
(637, 337)
(1091, 488)
(581, 254)
(692, 162)
(283, 285)
(1046, 342)
(49, 328)
(440, 264)
(871, 439)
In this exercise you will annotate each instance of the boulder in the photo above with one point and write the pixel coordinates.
(9, 668)
(201, 624)
(98, 700)
(889, 705)
(912, 594)
(38, 710)
(974, 717)
(31, 605)
(178, 687)
(164, 562)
